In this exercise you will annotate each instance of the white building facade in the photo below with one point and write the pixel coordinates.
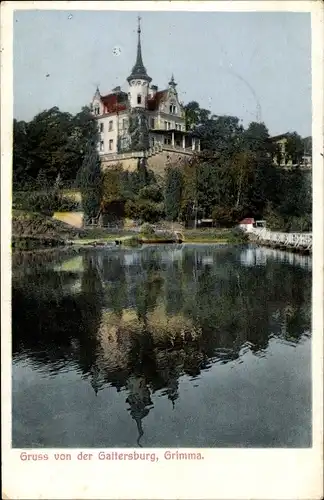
(164, 114)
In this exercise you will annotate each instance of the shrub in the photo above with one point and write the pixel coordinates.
(147, 229)
(67, 205)
(225, 217)
(152, 192)
(45, 202)
(132, 210)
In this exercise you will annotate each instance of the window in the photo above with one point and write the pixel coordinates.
(101, 126)
(139, 99)
(173, 109)
(101, 146)
(167, 140)
(152, 123)
(96, 110)
(124, 124)
(111, 142)
(165, 125)
(110, 126)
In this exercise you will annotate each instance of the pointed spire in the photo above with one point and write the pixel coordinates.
(97, 93)
(139, 70)
(172, 83)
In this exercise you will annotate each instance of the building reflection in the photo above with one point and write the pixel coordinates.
(139, 401)
(138, 321)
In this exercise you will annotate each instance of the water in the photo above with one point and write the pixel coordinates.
(189, 346)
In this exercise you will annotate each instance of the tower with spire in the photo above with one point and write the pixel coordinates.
(141, 111)
(139, 80)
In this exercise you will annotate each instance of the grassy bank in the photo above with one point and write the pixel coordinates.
(32, 230)
(213, 235)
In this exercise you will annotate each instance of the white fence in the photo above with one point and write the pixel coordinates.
(289, 240)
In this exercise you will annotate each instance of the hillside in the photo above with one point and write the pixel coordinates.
(36, 225)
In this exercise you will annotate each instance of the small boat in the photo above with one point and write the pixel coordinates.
(153, 242)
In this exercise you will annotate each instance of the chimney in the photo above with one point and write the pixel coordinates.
(153, 90)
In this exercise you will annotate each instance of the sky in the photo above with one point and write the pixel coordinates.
(246, 64)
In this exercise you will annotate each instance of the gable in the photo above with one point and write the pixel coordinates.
(170, 103)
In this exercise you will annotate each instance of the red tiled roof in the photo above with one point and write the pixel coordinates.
(114, 102)
(248, 220)
(153, 104)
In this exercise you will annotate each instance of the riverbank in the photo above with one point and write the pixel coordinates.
(32, 231)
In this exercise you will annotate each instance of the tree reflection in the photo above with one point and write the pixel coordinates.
(139, 320)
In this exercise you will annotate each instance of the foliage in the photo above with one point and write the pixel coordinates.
(173, 191)
(90, 179)
(149, 211)
(223, 134)
(294, 148)
(194, 115)
(152, 192)
(147, 229)
(112, 187)
(45, 202)
(52, 142)
(233, 176)
(138, 130)
(225, 217)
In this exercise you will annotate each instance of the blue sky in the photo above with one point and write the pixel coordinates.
(228, 62)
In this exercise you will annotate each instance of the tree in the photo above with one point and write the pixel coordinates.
(256, 138)
(222, 134)
(48, 136)
(54, 142)
(194, 115)
(113, 196)
(294, 148)
(242, 174)
(151, 192)
(90, 179)
(138, 130)
(189, 189)
(173, 189)
(21, 170)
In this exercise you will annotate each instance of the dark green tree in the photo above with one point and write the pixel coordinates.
(173, 190)
(221, 134)
(21, 165)
(90, 178)
(194, 115)
(54, 142)
(256, 138)
(138, 131)
(295, 148)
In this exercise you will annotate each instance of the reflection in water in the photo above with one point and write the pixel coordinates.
(260, 256)
(141, 321)
(139, 399)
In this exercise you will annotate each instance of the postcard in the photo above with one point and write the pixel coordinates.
(162, 250)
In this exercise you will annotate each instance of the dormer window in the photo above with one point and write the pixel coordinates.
(139, 99)
(96, 109)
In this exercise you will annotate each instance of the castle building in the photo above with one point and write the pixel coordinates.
(143, 122)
